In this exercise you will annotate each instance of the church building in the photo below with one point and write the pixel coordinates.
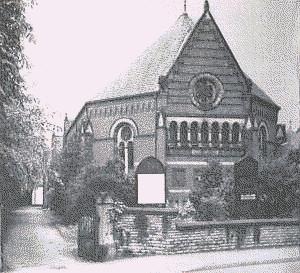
(185, 101)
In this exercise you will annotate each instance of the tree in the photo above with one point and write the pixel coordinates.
(93, 179)
(13, 30)
(22, 148)
(26, 142)
(211, 196)
(280, 185)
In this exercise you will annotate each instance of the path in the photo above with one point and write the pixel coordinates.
(33, 240)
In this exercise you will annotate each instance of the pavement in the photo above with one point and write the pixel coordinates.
(35, 245)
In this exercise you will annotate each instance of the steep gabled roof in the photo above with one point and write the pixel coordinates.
(142, 77)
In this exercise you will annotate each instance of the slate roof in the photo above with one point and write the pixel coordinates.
(143, 74)
(257, 91)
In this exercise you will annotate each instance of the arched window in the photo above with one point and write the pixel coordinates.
(194, 133)
(263, 137)
(235, 133)
(184, 134)
(215, 133)
(173, 132)
(124, 138)
(225, 133)
(204, 132)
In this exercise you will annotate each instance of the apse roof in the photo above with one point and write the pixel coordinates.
(142, 76)
(257, 91)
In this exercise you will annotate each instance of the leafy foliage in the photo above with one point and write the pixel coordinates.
(280, 186)
(22, 146)
(13, 30)
(212, 194)
(25, 142)
(93, 179)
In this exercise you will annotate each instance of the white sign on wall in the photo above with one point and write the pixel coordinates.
(151, 189)
(248, 196)
(151, 182)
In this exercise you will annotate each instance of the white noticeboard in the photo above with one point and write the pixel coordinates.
(248, 196)
(151, 189)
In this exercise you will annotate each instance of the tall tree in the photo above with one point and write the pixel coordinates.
(13, 30)
(22, 146)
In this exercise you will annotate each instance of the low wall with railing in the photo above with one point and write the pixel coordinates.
(144, 231)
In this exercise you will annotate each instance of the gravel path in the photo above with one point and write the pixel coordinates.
(33, 240)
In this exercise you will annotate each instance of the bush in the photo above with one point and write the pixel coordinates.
(91, 181)
(212, 197)
(209, 208)
(279, 186)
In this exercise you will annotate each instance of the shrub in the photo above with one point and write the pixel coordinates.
(212, 196)
(93, 179)
(279, 186)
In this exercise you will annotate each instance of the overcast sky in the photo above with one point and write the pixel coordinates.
(83, 45)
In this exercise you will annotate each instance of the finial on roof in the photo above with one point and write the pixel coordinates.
(206, 6)
(184, 8)
(66, 117)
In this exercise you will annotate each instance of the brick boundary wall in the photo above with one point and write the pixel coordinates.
(150, 231)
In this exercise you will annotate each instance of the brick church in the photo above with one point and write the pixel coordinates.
(185, 101)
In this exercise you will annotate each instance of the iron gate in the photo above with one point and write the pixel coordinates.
(87, 237)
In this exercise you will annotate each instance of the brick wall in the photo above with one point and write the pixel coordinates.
(159, 231)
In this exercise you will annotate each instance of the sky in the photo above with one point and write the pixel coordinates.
(81, 46)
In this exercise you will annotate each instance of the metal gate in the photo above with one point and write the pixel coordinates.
(87, 237)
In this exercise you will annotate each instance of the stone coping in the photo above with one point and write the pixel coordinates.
(233, 223)
(149, 210)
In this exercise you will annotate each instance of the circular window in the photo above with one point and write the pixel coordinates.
(126, 133)
(206, 91)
